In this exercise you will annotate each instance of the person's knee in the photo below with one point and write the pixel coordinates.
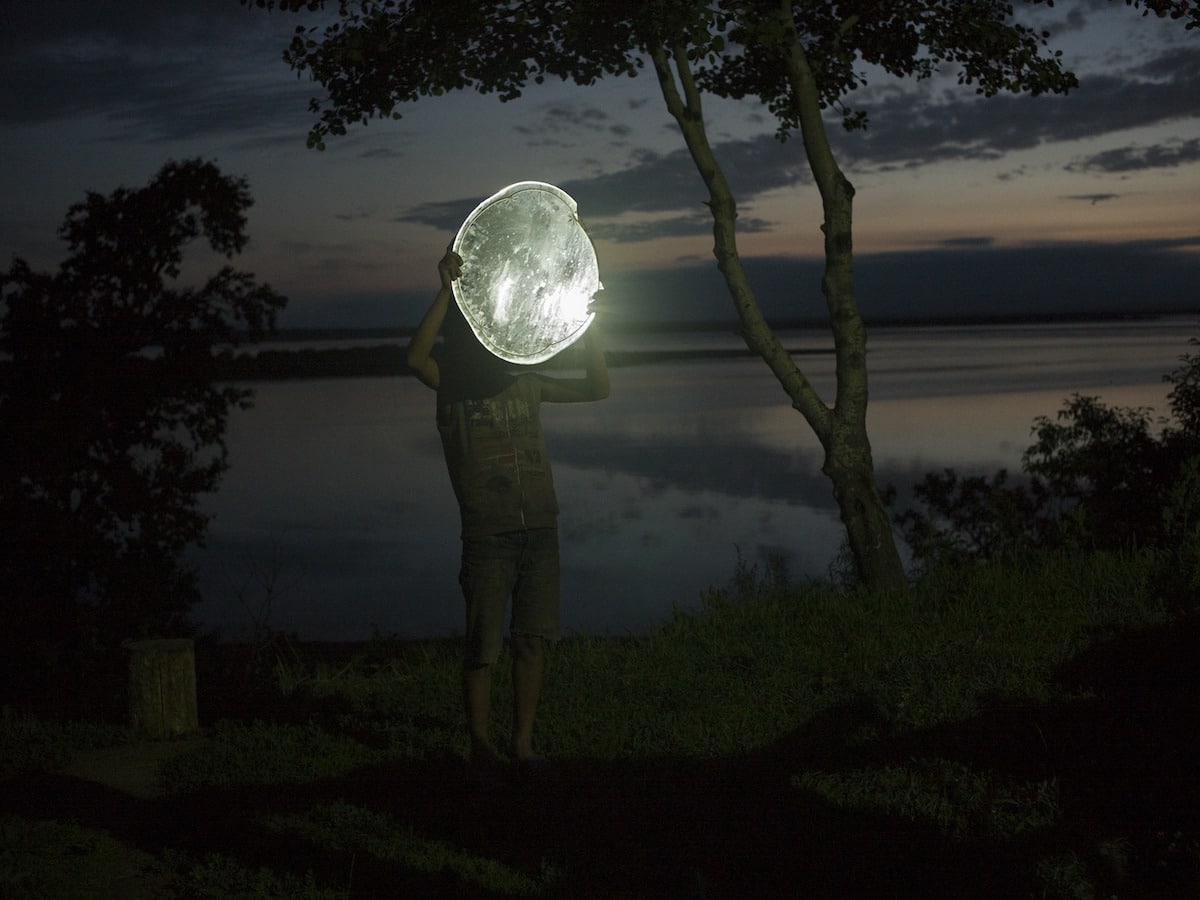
(473, 670)
(482, 647)
(528, 646)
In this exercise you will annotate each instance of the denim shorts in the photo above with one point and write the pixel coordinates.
(521, 566)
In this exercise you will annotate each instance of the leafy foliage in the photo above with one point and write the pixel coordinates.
(381, 53)
(111, 425)
(973, 516)
(378, 54)
(1097, 477)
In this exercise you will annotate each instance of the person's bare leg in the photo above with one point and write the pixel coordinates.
(477, 699)
(528, 667)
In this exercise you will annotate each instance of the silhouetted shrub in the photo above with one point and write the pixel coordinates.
(1096, 477)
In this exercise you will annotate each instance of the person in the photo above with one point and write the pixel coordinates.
(489, 422)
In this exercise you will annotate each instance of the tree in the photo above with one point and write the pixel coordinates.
(1096, 477)
(111, 426)
(797, 58)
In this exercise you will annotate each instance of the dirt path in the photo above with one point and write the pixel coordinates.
(131, 768)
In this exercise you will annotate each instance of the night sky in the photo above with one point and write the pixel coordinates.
(1012, 205)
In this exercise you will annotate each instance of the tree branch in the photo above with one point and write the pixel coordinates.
(673, 73)
(837, 195)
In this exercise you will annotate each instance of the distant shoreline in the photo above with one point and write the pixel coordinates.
(617, 326)
(387, 359)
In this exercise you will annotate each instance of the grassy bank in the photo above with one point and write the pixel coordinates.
(999, 732)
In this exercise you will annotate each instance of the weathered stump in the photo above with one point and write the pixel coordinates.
(162, 688)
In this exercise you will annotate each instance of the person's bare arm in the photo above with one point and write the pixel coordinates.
(593, 386)
(420, 348)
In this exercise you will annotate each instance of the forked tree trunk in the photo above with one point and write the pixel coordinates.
(841, 429)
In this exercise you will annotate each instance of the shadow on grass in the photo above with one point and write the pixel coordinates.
(1123, 757)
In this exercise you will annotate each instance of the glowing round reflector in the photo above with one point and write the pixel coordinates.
(529, 272)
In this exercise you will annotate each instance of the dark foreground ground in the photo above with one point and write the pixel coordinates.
(1125, 759)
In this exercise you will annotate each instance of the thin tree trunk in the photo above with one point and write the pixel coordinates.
(848, 461)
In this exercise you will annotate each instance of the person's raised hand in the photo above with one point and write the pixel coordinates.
(450, 267)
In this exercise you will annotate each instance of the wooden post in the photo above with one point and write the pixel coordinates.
(162, 688)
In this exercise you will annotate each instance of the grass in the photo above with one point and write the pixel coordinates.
(351, 828)
(33, 745)
(998, 731)
(46, 860)
(952, 796)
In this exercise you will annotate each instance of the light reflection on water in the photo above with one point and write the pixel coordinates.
(337, 516)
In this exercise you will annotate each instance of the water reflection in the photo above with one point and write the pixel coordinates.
(337, 515)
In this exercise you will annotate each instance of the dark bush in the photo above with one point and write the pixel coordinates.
(1096, 477)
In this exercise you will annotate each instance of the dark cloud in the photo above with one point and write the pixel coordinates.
(157, 70)
(908, 131)
(1075, 20)
(658, 183)
(381, 153)
(1093, 199)
(355, 216)
(180, 69)
(675, 226)
(1120, 160)
(636, 232)
(601, 211)
(226, 104)
(444, 215)
(569, 125)
(917, 129)
(668, 182)
(562, 118)
(32, 25)
(968, 242)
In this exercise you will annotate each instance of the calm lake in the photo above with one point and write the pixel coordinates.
(336, 518)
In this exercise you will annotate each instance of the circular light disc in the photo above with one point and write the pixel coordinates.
(529, 272)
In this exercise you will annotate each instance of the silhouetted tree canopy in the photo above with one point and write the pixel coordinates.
(111, 426)
(379, 54)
